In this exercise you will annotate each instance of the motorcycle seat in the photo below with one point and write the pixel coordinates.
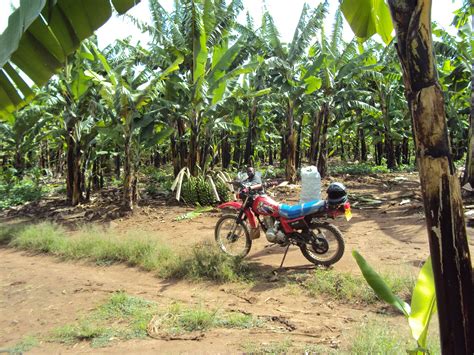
(291, 212)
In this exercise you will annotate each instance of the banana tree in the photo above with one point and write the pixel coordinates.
(40, 35)
(440, 186)
(126, 90)
(287, 72)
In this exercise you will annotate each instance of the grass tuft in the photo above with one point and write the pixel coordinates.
(205, 262)
(26, 344)
(122, 317)
(349, 288)
(381, 337)
(179, 319)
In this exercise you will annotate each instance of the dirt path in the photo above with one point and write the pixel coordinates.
(39, 293)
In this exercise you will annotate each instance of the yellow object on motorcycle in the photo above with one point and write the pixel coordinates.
(348, 213)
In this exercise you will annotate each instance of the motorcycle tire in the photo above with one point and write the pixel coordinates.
(235, 244)
(316, 249)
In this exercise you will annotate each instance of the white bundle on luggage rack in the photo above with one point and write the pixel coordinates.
(310, 184)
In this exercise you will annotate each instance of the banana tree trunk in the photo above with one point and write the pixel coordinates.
(298, 145)
(469, 169)
(225, 151)
(73, 179)
(251, 134)
(323, 154)
(405, 151)
(315, 138)
(440, 187)
(182, 147)
(291, 145)
(194, 145)
(363, 145)
(128, 173)
(388, 140)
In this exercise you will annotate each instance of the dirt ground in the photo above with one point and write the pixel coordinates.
(39, 292)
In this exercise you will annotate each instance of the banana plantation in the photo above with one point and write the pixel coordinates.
(209, 93)
(213, 91)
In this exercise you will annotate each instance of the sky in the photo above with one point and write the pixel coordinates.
(285, 14)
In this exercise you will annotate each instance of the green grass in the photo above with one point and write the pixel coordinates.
(138, 249)
(125, 317)
(206, 262)
(381, 337)
(179, 319)
(121, 317)
(350, 288)
(26, 344)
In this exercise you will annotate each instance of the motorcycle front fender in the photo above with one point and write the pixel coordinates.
(237, 206)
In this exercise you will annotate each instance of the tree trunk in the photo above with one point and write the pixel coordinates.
(469, 168)
(378, 153)
(323, 154)
(225, 147)
(357, 145)
(237, 151)
(363, 145)
(343, 155)
(73, 191)
(388, 140)
(249, 143)
(19, 162)
(405, 151)
(117, 167)
(440, 187)
(182, 146)
(193, 160)
(298, 145)
(270, 154)
(127, 173)
(315, 138)
(291, 145)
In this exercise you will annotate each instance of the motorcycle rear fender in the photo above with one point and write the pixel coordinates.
(237, 206)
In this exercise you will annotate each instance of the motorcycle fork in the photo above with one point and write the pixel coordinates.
(239, 216)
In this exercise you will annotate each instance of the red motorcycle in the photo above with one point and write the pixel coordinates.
(302, 225)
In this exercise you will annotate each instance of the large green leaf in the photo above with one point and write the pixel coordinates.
(39, 37)
(423, 304)
(379, 286)
(312, 84)
(367, 17)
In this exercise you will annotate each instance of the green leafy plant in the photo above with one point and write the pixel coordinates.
(423, 303)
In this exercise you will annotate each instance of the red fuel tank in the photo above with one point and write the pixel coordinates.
(264, 205)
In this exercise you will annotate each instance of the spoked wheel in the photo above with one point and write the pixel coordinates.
(233, 238)
(324, 246)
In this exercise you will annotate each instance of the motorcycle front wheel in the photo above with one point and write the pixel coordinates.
(232, 237)
(324, 245)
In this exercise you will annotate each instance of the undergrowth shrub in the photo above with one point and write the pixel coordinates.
(19, 192)
(205, 261)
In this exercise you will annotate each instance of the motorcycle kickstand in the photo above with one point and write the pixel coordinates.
(284, 256)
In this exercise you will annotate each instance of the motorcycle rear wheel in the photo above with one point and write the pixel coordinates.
(234, 242)
(325, 245)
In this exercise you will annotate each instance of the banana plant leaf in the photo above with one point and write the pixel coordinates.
(367, 17)
(40, 35)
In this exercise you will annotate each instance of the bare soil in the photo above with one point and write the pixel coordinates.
(39, 292)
